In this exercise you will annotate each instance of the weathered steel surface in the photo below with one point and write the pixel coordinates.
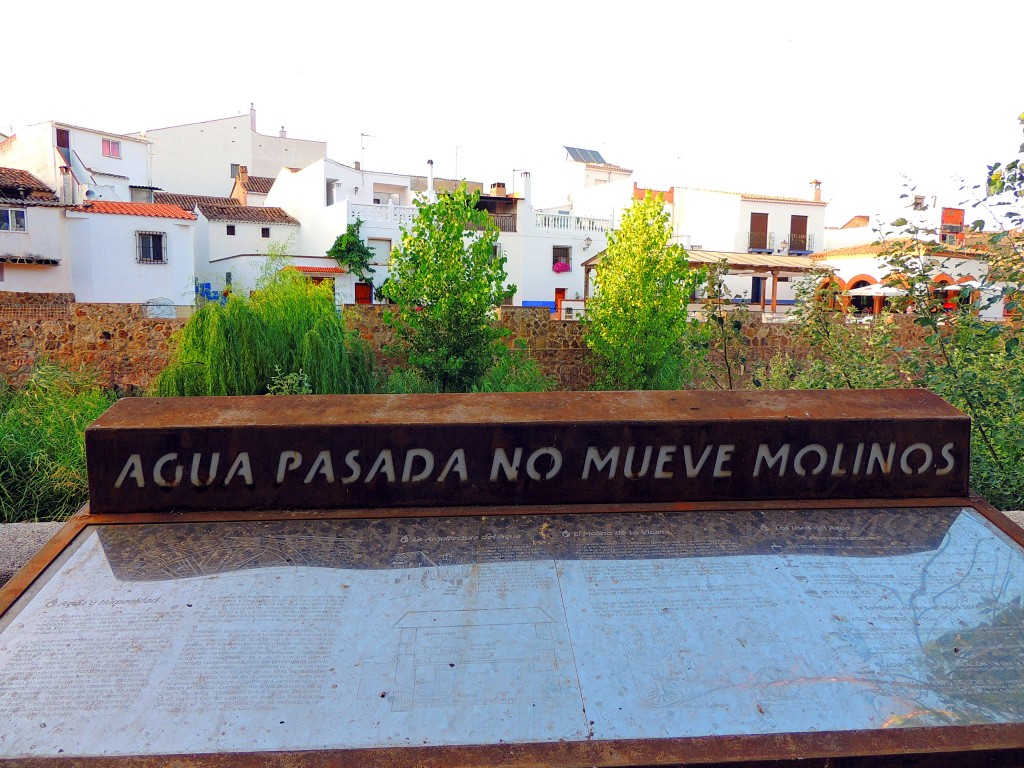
(571, 448)
(599, 639)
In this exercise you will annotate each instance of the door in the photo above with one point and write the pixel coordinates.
(364, 293)
(758, 232)
(798, 233)
(559, 298)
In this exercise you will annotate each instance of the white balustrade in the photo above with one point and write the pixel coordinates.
(399, 214)
(571, 223)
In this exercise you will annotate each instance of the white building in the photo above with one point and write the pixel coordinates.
(204, 157)
(33, 242)
(82, 163)
(866, 265)
(131, 253)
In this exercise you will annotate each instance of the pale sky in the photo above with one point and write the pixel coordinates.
(740, 96)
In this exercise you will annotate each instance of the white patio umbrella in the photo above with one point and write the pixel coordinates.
(972, 284)
(877, 289)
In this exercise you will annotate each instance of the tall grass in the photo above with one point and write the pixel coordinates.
(288, 325)
(42, 443)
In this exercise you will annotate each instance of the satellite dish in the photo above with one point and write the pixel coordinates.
(90, 194)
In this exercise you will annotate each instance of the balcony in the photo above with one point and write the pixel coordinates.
(566, 222)
(506, 221)
(800, 243)
(761, 241)
(401, 215)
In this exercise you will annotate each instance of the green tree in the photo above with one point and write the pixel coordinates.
(636, 322)
(446, 281)
(252, 344)
(352, 254)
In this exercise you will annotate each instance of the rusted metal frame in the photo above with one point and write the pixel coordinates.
(997, 518)
(926, 747)
(50, 551)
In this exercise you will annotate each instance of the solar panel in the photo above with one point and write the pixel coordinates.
(585, 155)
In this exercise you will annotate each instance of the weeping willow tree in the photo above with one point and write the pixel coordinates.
(289, 325)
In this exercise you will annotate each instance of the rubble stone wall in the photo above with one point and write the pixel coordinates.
(127, 348)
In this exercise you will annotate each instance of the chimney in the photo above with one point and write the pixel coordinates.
(817, 190)
(430, 180)
(498, 189)
(243, 175)
(527, 186)
(357, 165)
(282, 133)
(252, 117)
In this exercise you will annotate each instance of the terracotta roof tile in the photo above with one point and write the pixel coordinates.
(247, 213)
(13, 178)
(776, 199)
(857, 221)
(155, 210)
(259, 185)
(320, 270)
(877, 249)
(189, 202)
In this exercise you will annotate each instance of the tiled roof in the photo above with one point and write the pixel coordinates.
(877, 249)
(13, 178)
(775, 199)
(752, 196)
(155, 210)
(856, 221)
(258, 185)
(189, 202)
(30, 202)
(320, 270)
(609, 167)
(247, 213)
(98, 172)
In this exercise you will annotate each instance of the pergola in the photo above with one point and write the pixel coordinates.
(752, 264)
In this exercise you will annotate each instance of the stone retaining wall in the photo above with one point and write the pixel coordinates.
(128, 349)
(123, 347)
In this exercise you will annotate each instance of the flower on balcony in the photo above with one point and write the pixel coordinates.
(561, 266)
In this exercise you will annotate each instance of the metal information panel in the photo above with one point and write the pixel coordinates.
(321, 634)
(617, 579)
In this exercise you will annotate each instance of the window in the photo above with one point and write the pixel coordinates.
(231, 229)
(381, 250)
(12, 219)
(561, 254)
(265, 232)
(152, 247)
(234, 170)
(112, 148)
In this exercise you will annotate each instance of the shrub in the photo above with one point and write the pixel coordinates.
(42, 443)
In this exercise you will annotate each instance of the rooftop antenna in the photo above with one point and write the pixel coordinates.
(362, 150)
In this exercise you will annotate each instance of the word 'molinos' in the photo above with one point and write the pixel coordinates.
(545, 463)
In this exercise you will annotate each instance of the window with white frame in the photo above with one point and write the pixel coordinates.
(112, 148)
(151, 247)
(12, 219)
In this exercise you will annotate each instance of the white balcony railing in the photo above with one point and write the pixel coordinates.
(568, 222)
(399, 214)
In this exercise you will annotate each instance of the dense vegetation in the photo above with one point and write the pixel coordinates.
(286, 337)
(42, 444)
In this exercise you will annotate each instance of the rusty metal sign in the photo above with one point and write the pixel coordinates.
(569, 448)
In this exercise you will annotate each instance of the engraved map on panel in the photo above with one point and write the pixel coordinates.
(280, 635)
